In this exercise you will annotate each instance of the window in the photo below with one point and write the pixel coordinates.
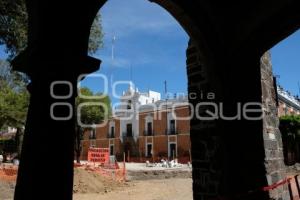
(129, 104)
(149, 128)
(129, 130)
(93, 134)
(112, 132)
(172, 127)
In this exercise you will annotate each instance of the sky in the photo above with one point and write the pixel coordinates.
(150, 48)
(286, 63)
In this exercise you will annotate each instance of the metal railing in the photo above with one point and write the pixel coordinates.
(128, 134)
(92, 137)
(110, 135)
(148, 133)
(172, 131)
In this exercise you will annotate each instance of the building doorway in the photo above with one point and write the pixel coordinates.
(111, 149)
(127, 150)
(149, 151)
(112, 132)
(172, 151)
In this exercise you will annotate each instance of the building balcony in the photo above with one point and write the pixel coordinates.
(172, 131)
(127, 137)
(148, 133)
(92, 137)
(127, 134)
(110, 135)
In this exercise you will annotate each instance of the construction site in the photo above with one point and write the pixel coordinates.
(118, 181)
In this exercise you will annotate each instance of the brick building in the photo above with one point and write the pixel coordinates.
(144, 127)
(287, 103)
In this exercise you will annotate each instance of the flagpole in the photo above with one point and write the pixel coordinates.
(112, 61)
(299, 88)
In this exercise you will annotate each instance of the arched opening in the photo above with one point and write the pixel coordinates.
(230, 168)
(285, 68)
(144, 61)
(278, 67)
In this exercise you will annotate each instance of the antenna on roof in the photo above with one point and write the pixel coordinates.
(113, 47)
(166, 90)
(110, 74)
(131, 72)
(277, 77)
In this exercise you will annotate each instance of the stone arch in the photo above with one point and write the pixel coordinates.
(225, 49)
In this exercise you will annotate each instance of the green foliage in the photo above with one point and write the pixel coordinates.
(290, 124)
(96, 35)
(14, 98)
(93, 114)
(13, 29)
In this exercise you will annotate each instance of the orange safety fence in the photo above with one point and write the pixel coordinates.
(8, 173)
(292, 182)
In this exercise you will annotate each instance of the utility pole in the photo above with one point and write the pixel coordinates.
(299, 88)
(112, 59)
(113, 48)
(131, 78)
(166, 96)
(110, 69)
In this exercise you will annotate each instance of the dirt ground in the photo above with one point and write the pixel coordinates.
(91, 186)
(146, 185)
(175, 189)
(6, 190)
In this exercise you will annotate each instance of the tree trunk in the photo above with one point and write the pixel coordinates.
(78, 145)
(19, 141)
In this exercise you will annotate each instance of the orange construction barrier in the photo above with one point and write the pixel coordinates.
(8, 173)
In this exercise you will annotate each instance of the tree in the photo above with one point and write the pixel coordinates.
(290, 123)
(14, 98)
(290, 131)
(14, 101)
(13, 34)
(13, 29)
(92, 114)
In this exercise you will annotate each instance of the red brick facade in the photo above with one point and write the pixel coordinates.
(285, 109)
(154, 146)
(287, 103)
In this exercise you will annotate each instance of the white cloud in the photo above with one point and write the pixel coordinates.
(118, 62)
(124, 18)
(124, 62)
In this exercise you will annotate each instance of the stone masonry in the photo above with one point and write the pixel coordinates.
(274, 161)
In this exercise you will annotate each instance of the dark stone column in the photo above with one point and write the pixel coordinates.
(228, 155)
(46, 165)
(56, 51)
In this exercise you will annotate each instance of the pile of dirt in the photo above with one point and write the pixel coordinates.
(84, 182)
(158, 174)
(91, 182)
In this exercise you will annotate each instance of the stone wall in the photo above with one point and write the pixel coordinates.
(274, 161)
(207, 145)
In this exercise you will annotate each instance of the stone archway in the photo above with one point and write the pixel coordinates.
(226, 44)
